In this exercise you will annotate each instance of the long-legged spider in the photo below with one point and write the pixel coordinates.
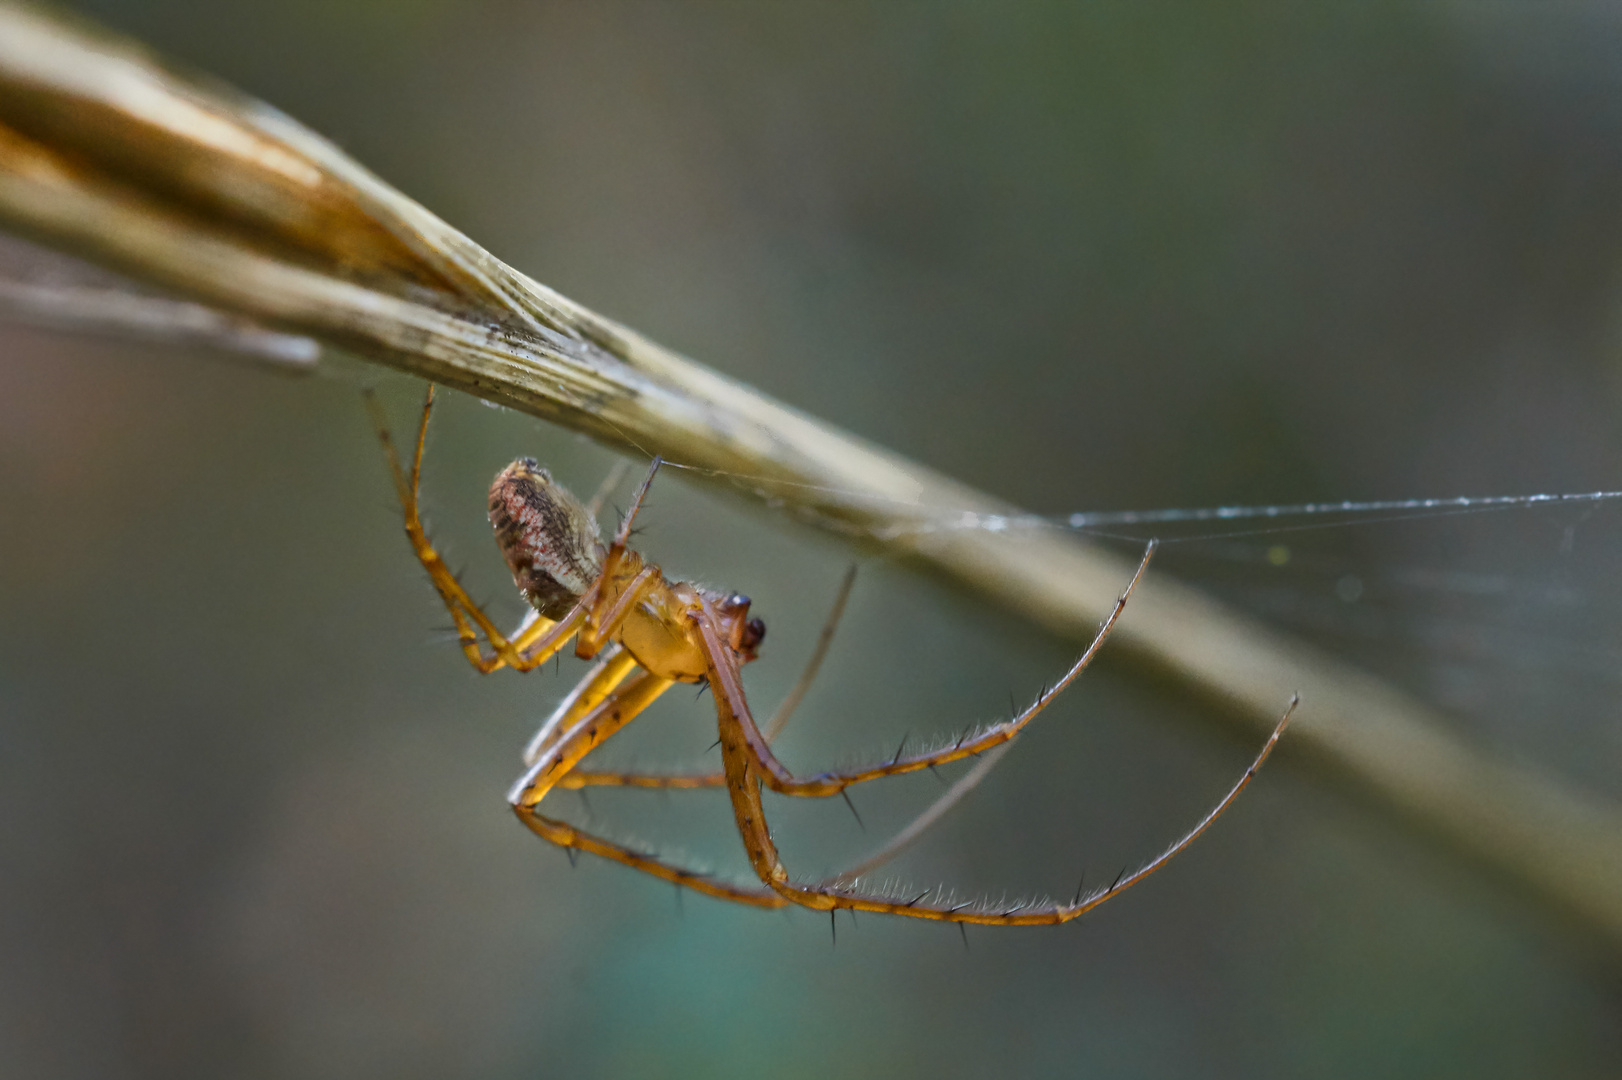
(646, 634)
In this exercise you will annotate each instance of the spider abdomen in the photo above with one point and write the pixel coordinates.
(550, 541)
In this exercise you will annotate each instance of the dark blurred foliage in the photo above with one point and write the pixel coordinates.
(1087, 256)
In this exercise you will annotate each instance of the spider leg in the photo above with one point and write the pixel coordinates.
(777, 777)
(605, 610)
(688, 781)
(598, 707)
(616, 709)
(613, 665)
(744, 783)
(926, 820)
(622, 535)
(603, 619)
(779, 720)
(535, 643)
(582, 778)
(903, 839)
(588, 730)
(567, 836)
(615, 476)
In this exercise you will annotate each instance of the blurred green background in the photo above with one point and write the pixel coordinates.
(1086, 256)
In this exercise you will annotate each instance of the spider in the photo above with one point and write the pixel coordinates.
(647, 633)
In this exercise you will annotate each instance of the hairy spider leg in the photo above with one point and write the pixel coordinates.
(582, 778)
(613, 665)
(777, 777)
(791, 701)
(615, 477)
(535, 642)
(581, 730)
(744, 779)
(606, 616)
(618, 708)
(450, 591)
(926, 820)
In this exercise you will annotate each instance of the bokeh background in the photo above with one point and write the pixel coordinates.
(1086, 256)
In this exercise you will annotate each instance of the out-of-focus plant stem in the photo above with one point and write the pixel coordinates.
(217, 197)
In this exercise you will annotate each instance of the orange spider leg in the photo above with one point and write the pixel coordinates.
(585, 729)
(600, 625)
(661, 781)
(565, 835)
(585, 734)
(618, 708)
(777, 777)
(744, 780)
(540, 635)
(622, 535)
(612, 666)
(580, 778)
(926, 820)
(534, 627)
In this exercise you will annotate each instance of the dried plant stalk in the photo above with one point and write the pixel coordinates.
(201, 190)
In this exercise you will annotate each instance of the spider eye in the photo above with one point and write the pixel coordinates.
(756, 632)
